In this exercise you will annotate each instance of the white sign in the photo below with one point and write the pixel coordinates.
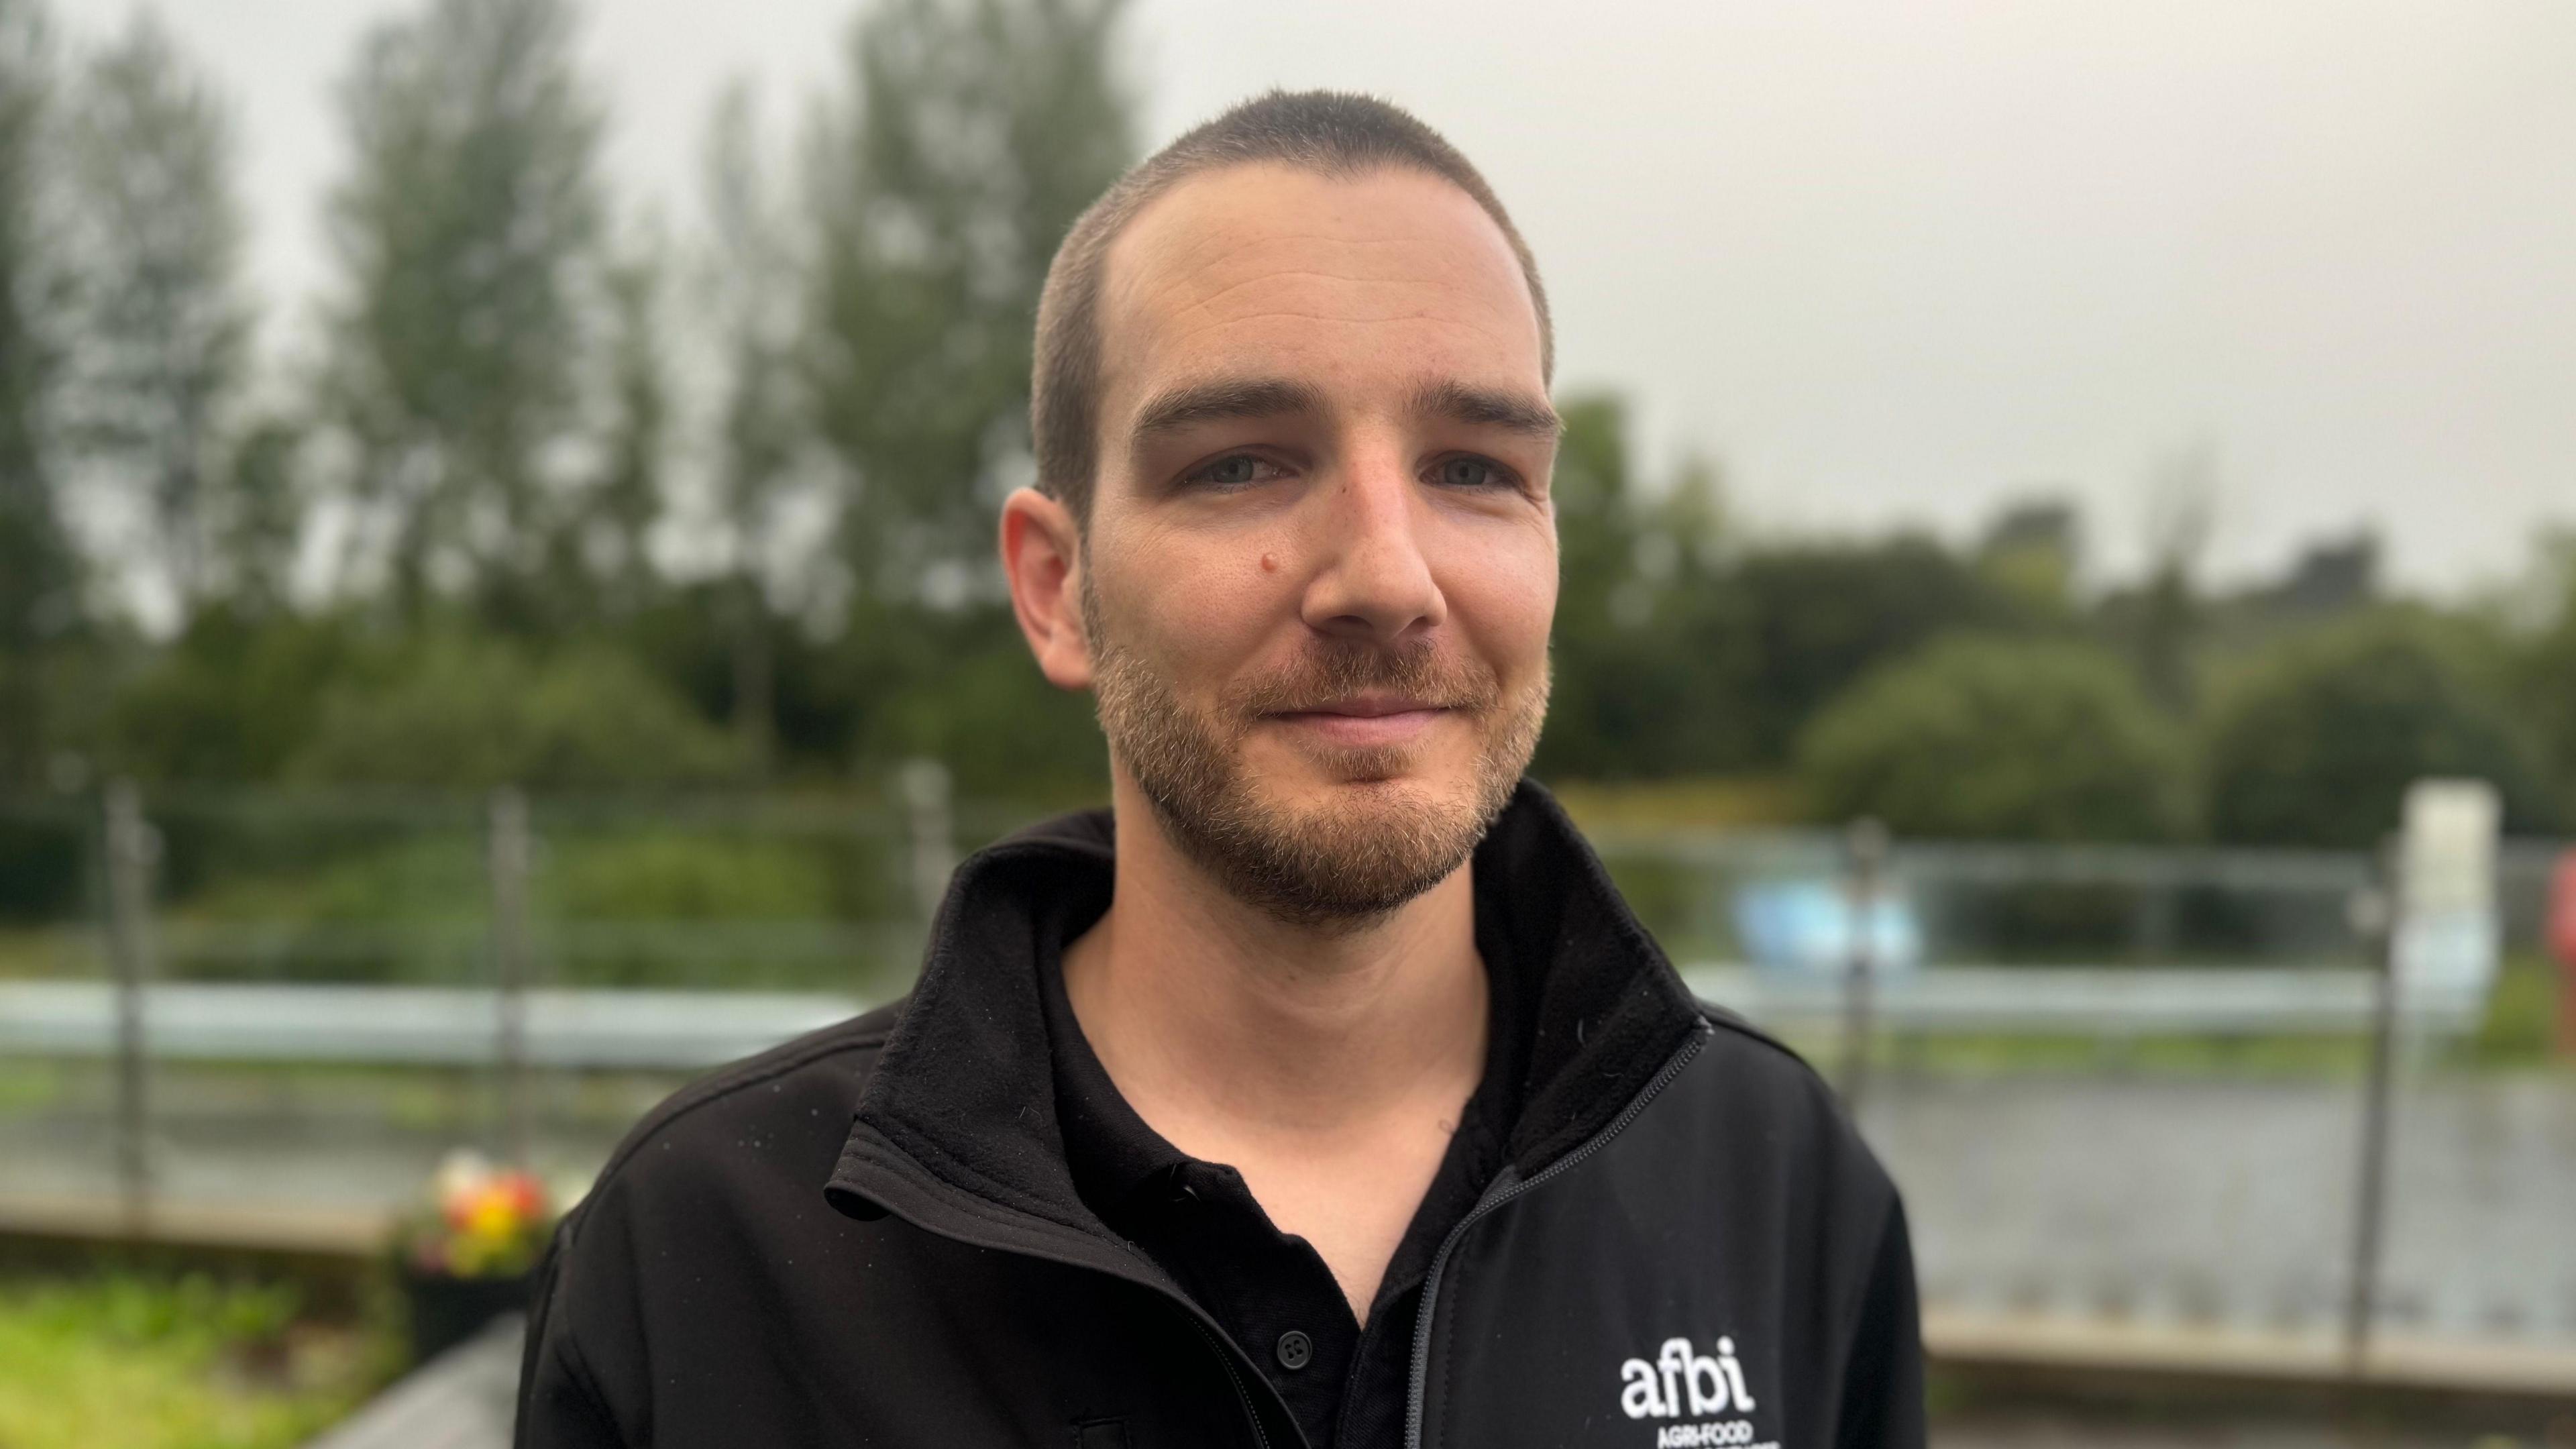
(2447, 933)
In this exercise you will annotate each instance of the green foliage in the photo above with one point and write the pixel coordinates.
(425, 880)
(960, 687)
(40, 574)
(496, 429)
(666, 875)
(1997, 738)
(1682, 651)
(43, 867)
(2545, 675)
(2315, 739)
(2521, 1026)
(474, 711)
(256, 523)
(147, 1363)
(607, 548)
(2030, 554)
(1821, 615)
(467, 234)
(1651, 649)
(976, 132)
(159, 342)
(233, 697)
(435, 888)
(436, 892)
(750, 288)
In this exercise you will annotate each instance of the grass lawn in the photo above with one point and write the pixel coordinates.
(188, 1363)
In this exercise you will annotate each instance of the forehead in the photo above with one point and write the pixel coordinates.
(1266, 269)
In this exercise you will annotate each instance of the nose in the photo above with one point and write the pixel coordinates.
(1376, 585)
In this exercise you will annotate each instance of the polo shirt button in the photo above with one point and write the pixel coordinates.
(1296, 1350)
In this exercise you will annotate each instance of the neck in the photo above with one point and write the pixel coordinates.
(1240, 1025)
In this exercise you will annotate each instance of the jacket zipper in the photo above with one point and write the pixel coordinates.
(1251, 1414)
(1196, 1316)
(1502, 1194)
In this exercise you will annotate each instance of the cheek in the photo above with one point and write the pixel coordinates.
(1196, 605)
(1502, 597)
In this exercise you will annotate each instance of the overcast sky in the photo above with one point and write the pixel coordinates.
(1886, 263)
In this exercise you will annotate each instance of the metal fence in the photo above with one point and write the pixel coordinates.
(2159, 1097)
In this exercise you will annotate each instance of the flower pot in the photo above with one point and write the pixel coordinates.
(446, 1311)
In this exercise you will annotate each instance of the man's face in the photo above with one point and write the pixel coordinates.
(1320, 562)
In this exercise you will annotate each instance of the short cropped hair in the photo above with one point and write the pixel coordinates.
(1332, 133)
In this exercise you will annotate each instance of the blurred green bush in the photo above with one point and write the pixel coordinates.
(482, 711)
(2314, 739)
(1977, 737)
(671, 875)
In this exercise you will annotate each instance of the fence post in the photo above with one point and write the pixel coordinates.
(1864, 862)
(133, 850)
(508, 861)
(2377, 913)
(931, 826)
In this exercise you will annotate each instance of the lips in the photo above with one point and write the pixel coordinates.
(1372, 706)
(1364, 720)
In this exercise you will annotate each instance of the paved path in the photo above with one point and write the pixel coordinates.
(2231, 1202)
(463, 1399)
(2143, 1203)
(2029, 1429)
(2148, 1199)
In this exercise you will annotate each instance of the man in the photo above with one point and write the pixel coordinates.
(1323, 1091)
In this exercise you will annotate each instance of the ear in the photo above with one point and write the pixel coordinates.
(1042, 558)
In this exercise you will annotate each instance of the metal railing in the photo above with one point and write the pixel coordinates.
(500, 983)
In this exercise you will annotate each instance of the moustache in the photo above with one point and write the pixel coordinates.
(1333, 670)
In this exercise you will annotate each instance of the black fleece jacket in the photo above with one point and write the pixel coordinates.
(870, 1236)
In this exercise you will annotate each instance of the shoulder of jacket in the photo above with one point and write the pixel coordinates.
(1727, 1027)
(845, 1053)
(1785, 1088)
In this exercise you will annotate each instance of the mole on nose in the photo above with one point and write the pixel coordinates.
(1269, 565)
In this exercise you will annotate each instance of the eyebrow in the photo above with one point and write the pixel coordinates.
(1231, 399)
(1486, 407)
(1223, 401)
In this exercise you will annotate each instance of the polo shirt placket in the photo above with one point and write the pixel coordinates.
(1271, 1290)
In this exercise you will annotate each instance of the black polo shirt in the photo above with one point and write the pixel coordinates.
(1270, 1289)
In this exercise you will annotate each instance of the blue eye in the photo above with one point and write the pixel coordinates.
(1234, 471)
(1470, 472)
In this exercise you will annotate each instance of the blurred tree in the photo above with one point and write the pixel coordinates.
(40, 575)
(969, 697)
(2166, 617)
(975, 132)
(233, 697)
(762, 417)
(1592, 729)
(257, 523)
(1823, 614)
(2170, 617)
(2545, 670)
(2316, 739)
(2030, 552)
(466, 709)
(157, 349)
(469, 237)
(2333, 576)
(1651, 651)
(609, 542)
(2028, 739)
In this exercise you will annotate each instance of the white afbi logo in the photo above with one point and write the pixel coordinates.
(1680, 1380)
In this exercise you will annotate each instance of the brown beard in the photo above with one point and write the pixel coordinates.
(1344, 866)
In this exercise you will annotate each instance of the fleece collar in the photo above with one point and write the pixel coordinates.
(963, 1099)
